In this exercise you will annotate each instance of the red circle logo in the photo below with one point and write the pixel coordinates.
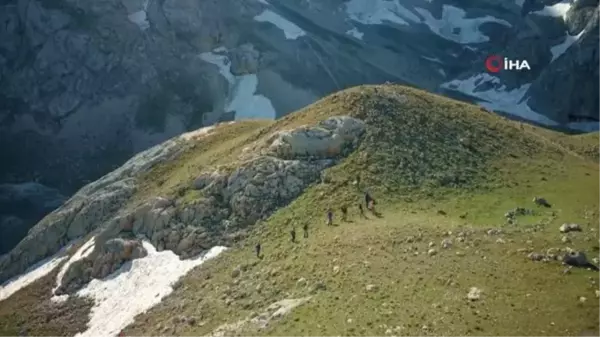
(493, 63)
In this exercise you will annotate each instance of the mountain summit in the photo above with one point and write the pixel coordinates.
(85, 85)
(480, 225)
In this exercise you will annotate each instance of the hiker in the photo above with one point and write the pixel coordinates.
(372, 206)
(293, 234)
(361, 210)
(344, 213)
(305, 228)
(329, 217)
(368, 200)
(257, 250)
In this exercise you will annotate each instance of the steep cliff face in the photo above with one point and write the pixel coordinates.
(84, 85)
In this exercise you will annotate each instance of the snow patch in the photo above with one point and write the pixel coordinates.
(290, 30)
(433, 59)
(246, 104)
(558, 10)
(356, 33)
(242, 99)
(140, 19)
(376, 12)
(454, 25)
(31, 275)
(84, 251)
(136, 287)
(498, 97)
(560, 48)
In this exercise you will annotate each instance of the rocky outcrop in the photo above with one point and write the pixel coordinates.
(567, 91)
(232, 200)
(100, 263)
(327, 140)
(89, 209)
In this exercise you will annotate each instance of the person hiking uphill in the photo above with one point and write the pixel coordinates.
(329, 217)
(305, 229)
(369, 201)
(257, 248)
(344, 213)
(293, 234)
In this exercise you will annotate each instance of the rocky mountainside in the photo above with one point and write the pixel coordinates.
(454, 245)
(85, 85)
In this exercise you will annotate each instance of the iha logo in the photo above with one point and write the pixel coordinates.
(495, 63)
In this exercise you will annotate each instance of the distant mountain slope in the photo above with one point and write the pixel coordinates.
(454, 186)
(85, 85)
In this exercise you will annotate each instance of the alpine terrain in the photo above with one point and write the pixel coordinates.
(376, 210)
(85, 85)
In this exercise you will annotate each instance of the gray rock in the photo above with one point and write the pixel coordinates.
(329, 139)
(535, 256)
(569, 227)
(244, 60)
(578, 259)
(541, 202)
(236, 272)
(371, 288)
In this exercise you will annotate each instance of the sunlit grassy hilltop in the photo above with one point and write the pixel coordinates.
(440, 169)
(444, 173)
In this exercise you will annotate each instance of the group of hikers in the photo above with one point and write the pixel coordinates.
(369, 203)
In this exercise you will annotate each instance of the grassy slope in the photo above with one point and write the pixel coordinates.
(422, 153)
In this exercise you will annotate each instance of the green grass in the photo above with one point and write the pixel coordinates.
(421, 154)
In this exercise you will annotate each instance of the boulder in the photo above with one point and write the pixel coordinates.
(578, 259)
(569, 227)
(102, 262)
(541, 202)
(329, 139)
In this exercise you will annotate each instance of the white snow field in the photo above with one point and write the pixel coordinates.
(136, 287)
(453, 25)
(498, 98)
(558, 10)
(242, 98)
(376, 12)
(560, 48)
(31, 275)
(355, 33)
(290, 30)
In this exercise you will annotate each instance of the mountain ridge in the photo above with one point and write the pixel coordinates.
(435, 166)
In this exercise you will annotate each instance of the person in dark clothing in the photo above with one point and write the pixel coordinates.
(293, 234)
(329, 217)
(257, 250)
(367, 199)
(372, 207)
(344, 213)
(361, 210)
(305, 228)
